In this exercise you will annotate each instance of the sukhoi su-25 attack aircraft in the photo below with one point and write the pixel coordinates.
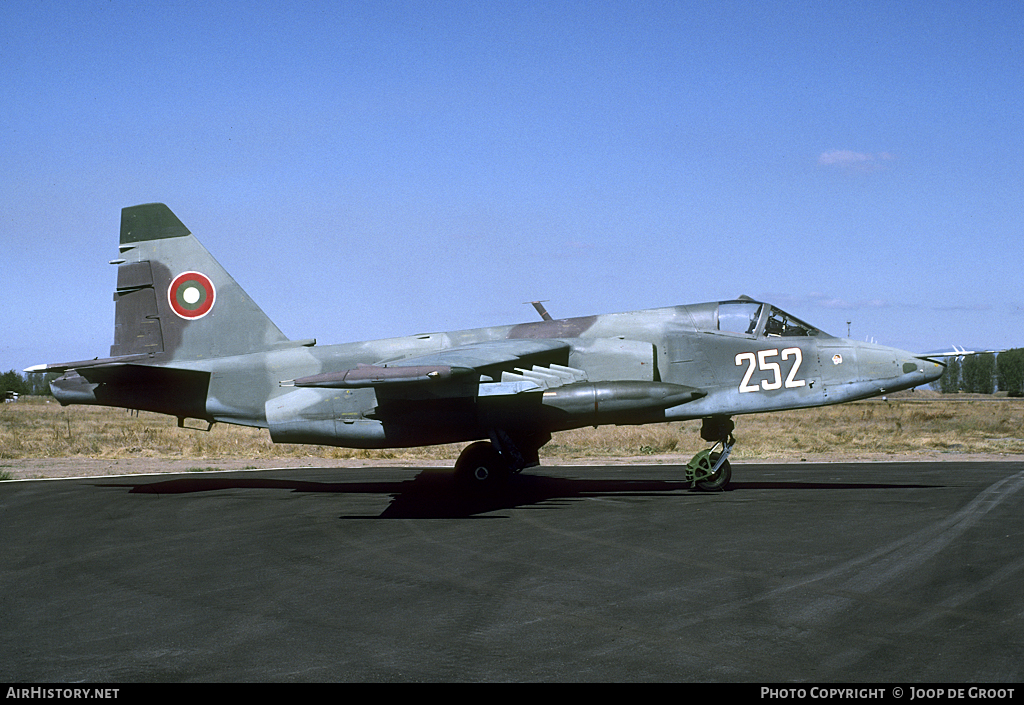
(190, 343)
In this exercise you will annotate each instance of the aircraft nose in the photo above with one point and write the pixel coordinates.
(932, 370)
(929, 368)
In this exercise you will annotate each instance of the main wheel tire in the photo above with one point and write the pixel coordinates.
(720, 480)
(481, 468)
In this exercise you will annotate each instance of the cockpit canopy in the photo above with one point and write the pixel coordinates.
(748, 317)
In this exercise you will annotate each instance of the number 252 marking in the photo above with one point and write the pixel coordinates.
(762, 362)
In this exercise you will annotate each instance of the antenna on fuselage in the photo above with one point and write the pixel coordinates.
(539, 305)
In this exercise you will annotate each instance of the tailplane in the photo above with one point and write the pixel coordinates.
(174, 299)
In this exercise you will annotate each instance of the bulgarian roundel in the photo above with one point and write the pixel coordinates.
(191, 295)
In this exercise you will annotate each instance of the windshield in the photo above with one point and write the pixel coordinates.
(739, 317)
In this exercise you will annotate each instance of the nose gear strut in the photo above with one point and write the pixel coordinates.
(709, 470)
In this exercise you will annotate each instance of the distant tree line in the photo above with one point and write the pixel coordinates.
(983, 374)
(35, 383)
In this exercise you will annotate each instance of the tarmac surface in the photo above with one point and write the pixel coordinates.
(877, 572)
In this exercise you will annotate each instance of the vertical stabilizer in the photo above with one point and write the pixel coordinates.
(174, 298)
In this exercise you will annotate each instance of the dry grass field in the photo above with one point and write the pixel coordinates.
(907, 425)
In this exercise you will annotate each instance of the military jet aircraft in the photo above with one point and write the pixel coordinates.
(189, 342)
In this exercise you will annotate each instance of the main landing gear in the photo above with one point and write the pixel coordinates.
(487, 465)
(709, 470)
(481, 467)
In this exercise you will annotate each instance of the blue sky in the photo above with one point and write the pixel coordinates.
(371, 169)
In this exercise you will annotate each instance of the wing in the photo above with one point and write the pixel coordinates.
(484, 363)
(507, 368)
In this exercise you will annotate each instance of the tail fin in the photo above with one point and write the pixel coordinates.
(174, 298)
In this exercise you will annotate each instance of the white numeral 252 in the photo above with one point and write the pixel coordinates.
(762, 362)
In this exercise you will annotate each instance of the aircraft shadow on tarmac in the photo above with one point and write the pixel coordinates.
(433, 493)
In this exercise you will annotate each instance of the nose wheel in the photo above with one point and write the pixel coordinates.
(709, 470)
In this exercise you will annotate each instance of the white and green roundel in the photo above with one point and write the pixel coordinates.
(191, 295)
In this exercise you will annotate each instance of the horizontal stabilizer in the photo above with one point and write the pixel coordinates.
(95, 362)
(164, 390)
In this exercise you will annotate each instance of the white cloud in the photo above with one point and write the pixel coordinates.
(856, 161)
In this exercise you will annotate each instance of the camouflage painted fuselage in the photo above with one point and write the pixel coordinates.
(190, 343)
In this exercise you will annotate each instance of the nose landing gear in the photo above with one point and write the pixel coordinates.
(709, 470)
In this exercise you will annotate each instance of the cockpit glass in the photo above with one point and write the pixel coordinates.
(739, 317)
(743, 317)
(781, 324)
